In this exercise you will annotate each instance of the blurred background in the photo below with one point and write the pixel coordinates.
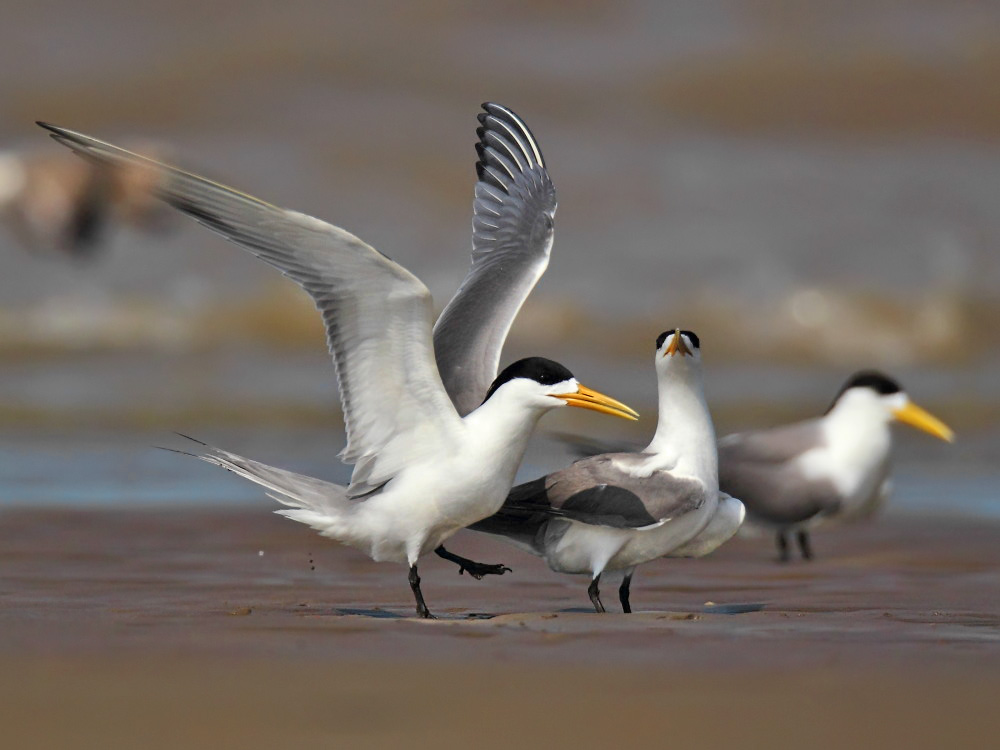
(812, 187)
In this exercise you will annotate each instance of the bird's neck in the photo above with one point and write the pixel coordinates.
(685, 436)
(857, 433)
(500, 429)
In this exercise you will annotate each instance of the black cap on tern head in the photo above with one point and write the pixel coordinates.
(539, 369)
(878, 382)
(692, 337)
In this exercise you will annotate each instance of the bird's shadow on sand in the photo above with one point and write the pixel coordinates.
(383, 614)
(732, 609)
(709, 609)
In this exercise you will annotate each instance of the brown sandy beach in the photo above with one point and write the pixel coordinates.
(171, 629)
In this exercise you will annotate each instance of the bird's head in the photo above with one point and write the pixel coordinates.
(540, 383)
(876, 393)
(678, 351)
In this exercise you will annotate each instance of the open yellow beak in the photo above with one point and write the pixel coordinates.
(677, 345)
(914, 416)
(585, 398)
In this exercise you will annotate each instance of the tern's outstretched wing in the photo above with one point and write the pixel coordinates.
(511, 239)
(377, 313)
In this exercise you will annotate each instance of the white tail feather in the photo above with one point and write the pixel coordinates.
(321, 505)
(287, 487)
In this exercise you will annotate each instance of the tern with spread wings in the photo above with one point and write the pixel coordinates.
(421, 471)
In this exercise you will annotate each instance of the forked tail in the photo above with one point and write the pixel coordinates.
(314, 502)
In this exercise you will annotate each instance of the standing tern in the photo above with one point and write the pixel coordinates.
(421, 471)
(615, 511)
(835, 467)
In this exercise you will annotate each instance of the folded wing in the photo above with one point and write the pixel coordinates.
(762, 470)
(602, 491)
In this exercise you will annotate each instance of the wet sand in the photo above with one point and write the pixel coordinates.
(170, 628)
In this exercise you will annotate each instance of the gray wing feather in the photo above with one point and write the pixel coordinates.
(586, 446)
(512, 231)
(772, 446)
(377, 313)
(603, 492)
(759, 468)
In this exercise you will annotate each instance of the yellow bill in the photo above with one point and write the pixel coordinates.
(586, 398)
(677, 345)
(914, 416)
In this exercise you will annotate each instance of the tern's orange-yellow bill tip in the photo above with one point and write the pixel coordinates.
(677, 345)
(914, 416)
(587, 398)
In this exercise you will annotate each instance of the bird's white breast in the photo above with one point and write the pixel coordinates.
(851, 457)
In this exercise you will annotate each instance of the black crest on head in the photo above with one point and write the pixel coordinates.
(539, 369)
(881, 384)
(692, 337)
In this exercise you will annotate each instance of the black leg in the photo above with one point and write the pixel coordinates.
(595, 595)
(473, 568)
(807, 553)
(623, 592)
(783, 555)
(422, 610)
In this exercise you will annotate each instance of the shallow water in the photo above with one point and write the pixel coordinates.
(101, 469)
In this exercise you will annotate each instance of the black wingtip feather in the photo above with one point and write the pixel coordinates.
(175, 450)
(54, 130)
(193, 440)
(511, 119)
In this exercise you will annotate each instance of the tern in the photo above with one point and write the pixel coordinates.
(421, 471)
(835, 467)
(615, 511)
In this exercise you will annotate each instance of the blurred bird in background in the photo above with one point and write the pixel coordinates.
(832, 468)
(57, 203)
